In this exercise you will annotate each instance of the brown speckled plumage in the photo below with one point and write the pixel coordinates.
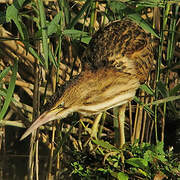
(117, 59)
(122, 38)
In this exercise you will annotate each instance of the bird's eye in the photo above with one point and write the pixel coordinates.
(61, 105)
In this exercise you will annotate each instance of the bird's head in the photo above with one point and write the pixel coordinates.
(58, 111)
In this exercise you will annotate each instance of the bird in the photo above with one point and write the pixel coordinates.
(117, 60)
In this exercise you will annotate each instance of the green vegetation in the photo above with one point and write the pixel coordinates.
(140, 162)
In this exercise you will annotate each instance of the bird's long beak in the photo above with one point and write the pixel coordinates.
(47, 116)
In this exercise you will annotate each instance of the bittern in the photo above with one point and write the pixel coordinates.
(117, 59)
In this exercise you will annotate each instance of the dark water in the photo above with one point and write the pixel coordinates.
(14, 156)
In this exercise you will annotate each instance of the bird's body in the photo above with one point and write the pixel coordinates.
(117, 60)
(96, 91)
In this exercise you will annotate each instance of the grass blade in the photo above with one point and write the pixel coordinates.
(10, 90)
(44, 32)
(83, 9)
(160, 101)
(4, 73)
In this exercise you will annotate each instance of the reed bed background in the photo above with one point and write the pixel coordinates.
(41, 43)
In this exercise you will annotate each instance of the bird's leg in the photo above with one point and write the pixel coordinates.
(96, 125)
(94, 130)
(116, 126)
(80, 127)
(121, 120)
(101, 124)
(80, 130)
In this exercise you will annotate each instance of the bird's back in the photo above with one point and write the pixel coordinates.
(118, 42)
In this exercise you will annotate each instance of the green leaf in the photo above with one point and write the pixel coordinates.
(119, 175)
(137, 18)
(147, 89)
(150, 3)
(2, 17)
(137, 100)
(78, 16)
(18, 3)
(24, 34)
(103, 170)
(12, 13)
(122, 176)
(105, 145)
(35, 54)
(171, 98)
(53, 26)
(86, 40)
(74, 32)
(10, 90)
(137, 162)
(174, 90)
(52, 59)
(117, 7)
(116, 164)
(4, 73)
(140, 171)
(116, 10)
(159, 148)
(44, 32)
(146, 106)
(159, 152)
(3, 92)
(148, 156)
(162, 89)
